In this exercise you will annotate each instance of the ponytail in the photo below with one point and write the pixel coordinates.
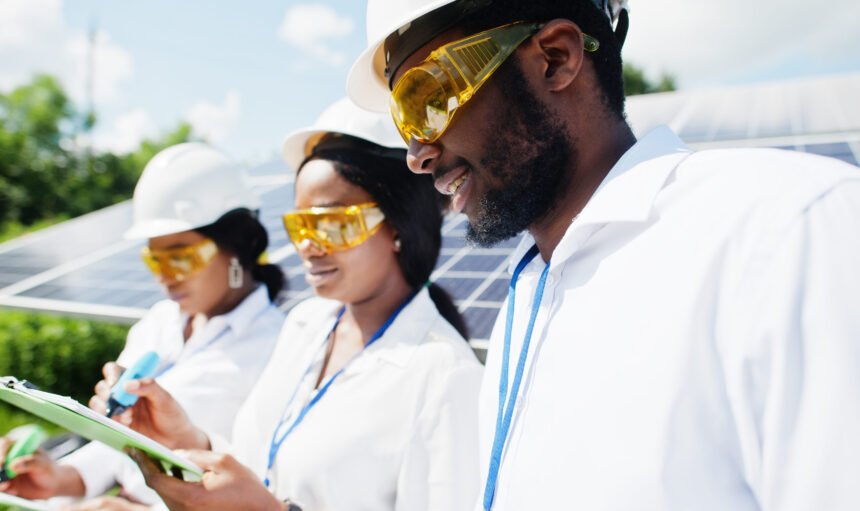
(445, 306)
(271, 276)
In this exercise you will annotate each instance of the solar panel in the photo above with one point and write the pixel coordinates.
(84, 267)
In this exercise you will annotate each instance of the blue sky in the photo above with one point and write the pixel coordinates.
(246, 73)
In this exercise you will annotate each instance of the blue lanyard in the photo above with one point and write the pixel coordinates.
(505, 414)
(277, 440)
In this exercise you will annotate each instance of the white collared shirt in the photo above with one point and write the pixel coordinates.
(213, 372)
(698, 342)
(396, 431)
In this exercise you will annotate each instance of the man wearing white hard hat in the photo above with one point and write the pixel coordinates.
(682, 329)
(214, 334)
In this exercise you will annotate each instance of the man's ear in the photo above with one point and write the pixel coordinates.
(556, 51)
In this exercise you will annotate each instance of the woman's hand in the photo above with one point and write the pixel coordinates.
(38, 476)
(107, 504)
(226, 485)
(156, 414)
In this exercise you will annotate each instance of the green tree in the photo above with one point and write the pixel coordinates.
(43, 176)
(635, 82)
(31, 158)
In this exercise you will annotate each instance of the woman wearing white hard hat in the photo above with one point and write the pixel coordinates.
(213, 335)
(369, 402)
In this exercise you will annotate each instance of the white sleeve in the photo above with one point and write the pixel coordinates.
(98, 465)
(801, 378)
(440, 466)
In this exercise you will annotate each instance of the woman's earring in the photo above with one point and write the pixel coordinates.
(235, 275)
(397, 244)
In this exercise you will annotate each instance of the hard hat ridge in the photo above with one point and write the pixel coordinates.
(185, 187)
(343, 117)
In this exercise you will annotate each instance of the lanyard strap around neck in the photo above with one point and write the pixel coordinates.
(505, 413)
(278, 437)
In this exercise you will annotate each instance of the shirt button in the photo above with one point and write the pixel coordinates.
(550, 280)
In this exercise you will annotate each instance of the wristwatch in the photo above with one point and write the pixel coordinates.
(292, 506)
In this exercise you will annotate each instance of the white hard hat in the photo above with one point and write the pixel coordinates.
(367, 84)
(187, 186)
(343, 117)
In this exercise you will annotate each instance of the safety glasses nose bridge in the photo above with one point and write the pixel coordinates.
(337, 228)
(179, 263)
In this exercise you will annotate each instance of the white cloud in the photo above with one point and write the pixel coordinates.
(128, 131)
(35, 39)
(711, 43)
(213, 121)
(113, 66)
(23, 22)
(312, 28)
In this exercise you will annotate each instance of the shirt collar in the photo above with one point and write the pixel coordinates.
(629, 190)
(399, 342)
(243, 315)
(237, 320)
(626, 195)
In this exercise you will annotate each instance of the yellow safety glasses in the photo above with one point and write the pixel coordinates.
(424, 100)
(182, 262)
(336, 228)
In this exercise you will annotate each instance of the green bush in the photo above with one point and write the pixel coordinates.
(60, 355)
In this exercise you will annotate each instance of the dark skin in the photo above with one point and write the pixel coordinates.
(366, 278)
(563, 78)
(202, 295)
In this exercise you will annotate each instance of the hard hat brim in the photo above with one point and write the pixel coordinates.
(346, 118)
(293, 148)
(366, 85)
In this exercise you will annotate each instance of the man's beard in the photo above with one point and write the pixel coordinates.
(529, 155)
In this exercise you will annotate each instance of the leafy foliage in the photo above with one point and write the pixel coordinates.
(60, 355)
(43, 175)
(635, 82)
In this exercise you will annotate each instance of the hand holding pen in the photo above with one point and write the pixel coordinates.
(154, 412)
(30, 473)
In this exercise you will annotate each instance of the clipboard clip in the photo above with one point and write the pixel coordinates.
(11, 382)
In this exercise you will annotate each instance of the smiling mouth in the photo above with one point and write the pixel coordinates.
(317, 277)
(456, 184)
(451, 181)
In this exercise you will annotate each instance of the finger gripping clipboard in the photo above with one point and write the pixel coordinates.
(77, 418)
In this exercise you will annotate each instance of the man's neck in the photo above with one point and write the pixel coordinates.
(592, 165)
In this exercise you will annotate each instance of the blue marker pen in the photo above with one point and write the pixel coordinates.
(120, 400)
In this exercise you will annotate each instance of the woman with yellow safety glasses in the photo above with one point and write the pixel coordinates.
(213, 336)
(369, 401)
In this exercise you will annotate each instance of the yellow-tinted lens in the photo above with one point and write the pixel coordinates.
(333, 229)
(180, 263)
(151, 262)
(423, 102)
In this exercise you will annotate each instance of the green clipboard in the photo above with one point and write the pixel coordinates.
(19, 503)
(77, 418)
